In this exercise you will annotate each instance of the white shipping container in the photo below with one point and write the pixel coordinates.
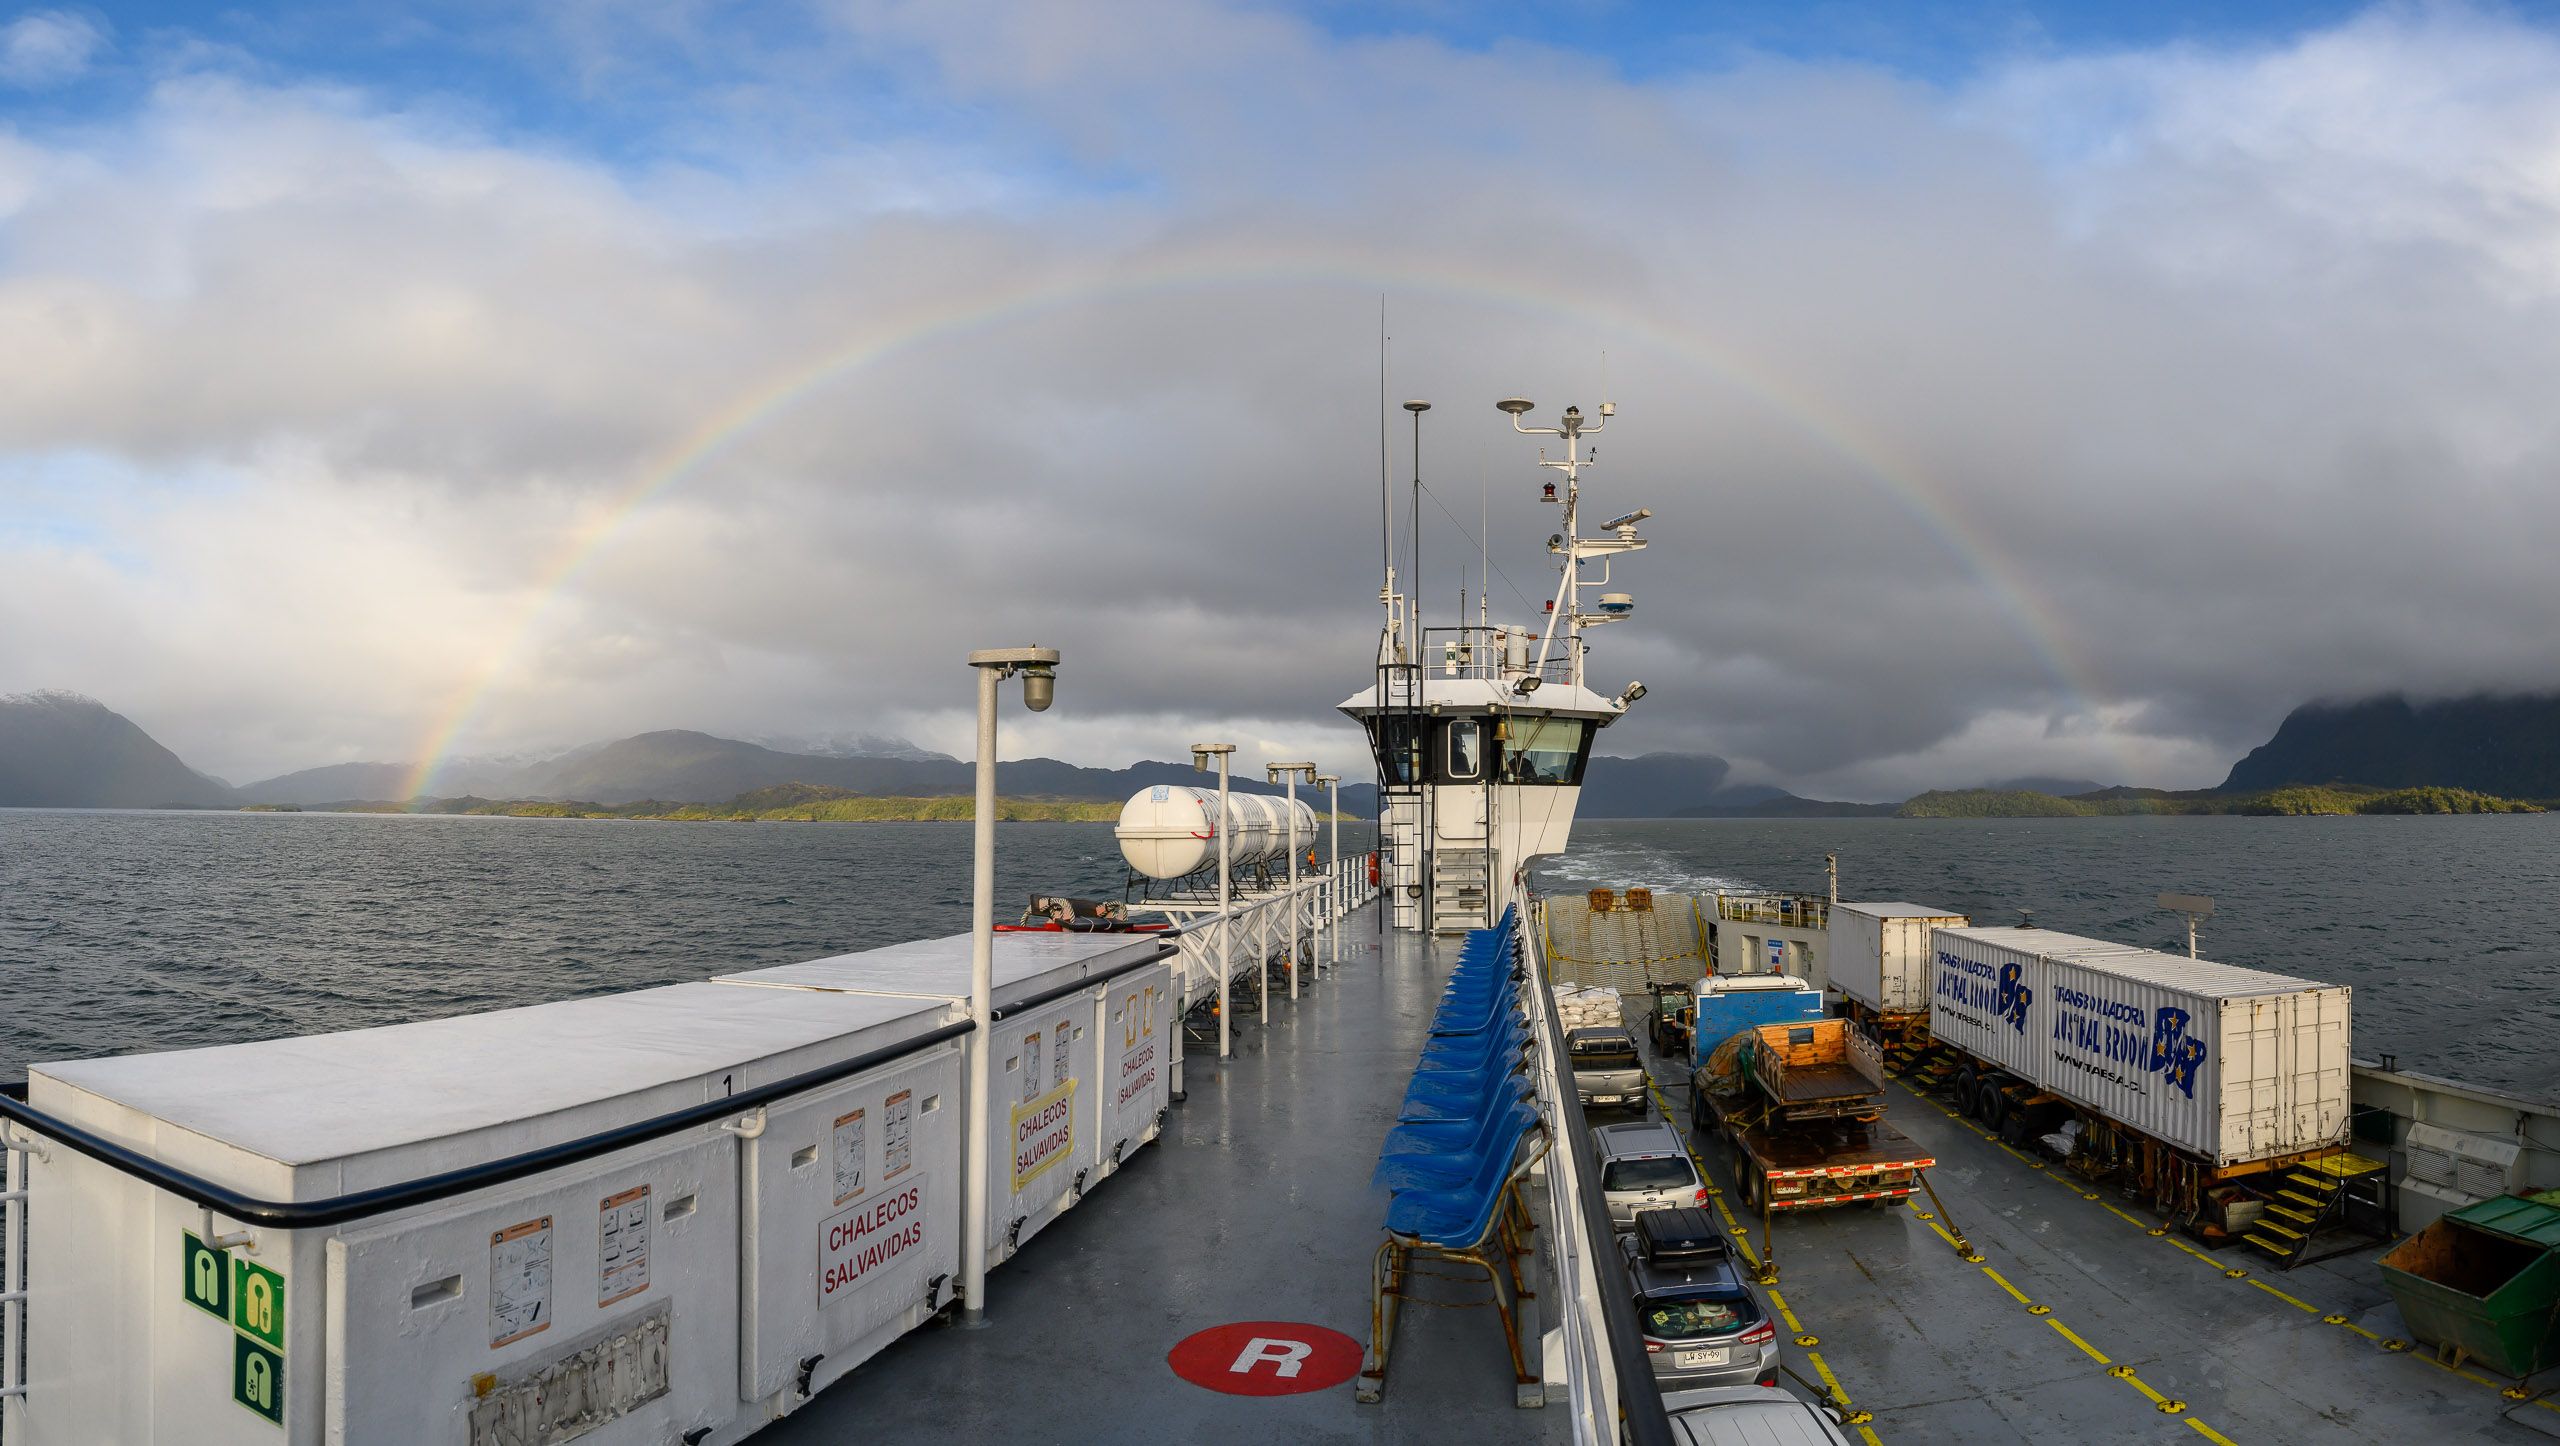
(613, 1280)
(1881, 956)
(2232, 1064)
(1141, 1031)
(1050, 1096)
(1987, 992)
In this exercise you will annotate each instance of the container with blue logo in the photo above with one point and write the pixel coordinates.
(1986, 991)
(2231, 1064)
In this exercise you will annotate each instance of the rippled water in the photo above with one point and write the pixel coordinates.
(2443, 926)
(133, 931)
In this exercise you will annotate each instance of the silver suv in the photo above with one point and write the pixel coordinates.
(1607, 1071)
(1643, 1166)
(1702, 1325)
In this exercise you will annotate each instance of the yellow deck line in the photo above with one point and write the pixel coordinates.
(1780, 1302)
(2072, 1336)
(2003, 1282)
(2300, 1305)
(2296, 1302)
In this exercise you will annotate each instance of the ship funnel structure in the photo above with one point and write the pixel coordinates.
(1171, 830)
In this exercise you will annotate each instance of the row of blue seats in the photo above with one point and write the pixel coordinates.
(1449, 1160)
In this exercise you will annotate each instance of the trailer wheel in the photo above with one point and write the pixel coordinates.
(1749, 1180)
(1964, 1088)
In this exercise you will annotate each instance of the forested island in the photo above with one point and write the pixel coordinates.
(2292, 802)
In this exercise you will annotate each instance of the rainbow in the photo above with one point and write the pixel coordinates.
(1924, 500)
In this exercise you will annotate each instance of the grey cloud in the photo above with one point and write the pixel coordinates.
(2151, 392)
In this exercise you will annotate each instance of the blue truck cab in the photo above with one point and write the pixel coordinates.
(1731, 1003)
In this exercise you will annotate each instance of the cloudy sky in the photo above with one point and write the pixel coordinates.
(2065, 388)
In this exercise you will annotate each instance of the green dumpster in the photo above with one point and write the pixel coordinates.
(2484, 1282)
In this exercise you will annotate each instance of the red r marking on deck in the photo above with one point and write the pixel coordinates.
(1266, 1358)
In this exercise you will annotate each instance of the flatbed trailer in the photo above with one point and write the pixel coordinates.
(1804, 1114)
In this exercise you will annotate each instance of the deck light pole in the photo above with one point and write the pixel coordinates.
(1039, 670)
(1289, 772)
(1333, 893)
(1200, 756)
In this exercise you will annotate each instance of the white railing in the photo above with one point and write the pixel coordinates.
(1297, 924)
(13, 1282)
(1590, 1378)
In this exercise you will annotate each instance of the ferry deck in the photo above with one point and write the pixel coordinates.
(2076, 1324)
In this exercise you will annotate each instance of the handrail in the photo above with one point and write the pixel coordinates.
(338, 1209)
(1641, 1415)
(1072, 986)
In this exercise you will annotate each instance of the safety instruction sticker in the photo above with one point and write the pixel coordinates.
(852, 1149)
(519, 1282)
(622, 1245)
(1031, 1084)
(204, 1276)
(257, 1378)
(897, 1134)
(257, 1302)
(1044, 1133)
(1058, 1056)
(857, 1245)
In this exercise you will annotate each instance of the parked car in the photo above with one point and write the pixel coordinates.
(1702, 1324)
(1607, 1071)
(1643, 1166)
(1761, 1415)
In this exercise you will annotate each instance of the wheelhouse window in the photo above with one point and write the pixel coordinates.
(1397, 743)
(1545, 750)
(1462, 753)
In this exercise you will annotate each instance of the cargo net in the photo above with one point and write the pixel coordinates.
(1625, 939)
(1722, 1073)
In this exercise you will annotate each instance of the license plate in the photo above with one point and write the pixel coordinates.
(1694, 1360)
(1608, 1099)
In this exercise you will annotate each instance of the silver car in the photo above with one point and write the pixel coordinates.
(1763, 1415)
(1703, 1326)
(1607, 1071)
(1643, 1166)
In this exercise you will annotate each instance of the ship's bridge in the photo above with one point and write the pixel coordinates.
(1480, 752)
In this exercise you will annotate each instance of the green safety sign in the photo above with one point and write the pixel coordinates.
(257, 1378)
(205, 1277)
(257, 1302)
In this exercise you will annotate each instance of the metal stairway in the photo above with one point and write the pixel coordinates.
(1461, 889)
(2335, 1192)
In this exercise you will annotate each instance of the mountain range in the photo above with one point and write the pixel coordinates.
(63, 750)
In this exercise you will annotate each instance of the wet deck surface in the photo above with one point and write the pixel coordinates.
(1939, 1349)
(1255, 1205)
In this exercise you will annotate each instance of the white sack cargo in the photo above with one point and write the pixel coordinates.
(1987, 994)
(1589, 1006)
(2232, 1064)
(1880, 953)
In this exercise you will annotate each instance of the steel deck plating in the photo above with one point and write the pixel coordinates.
(2077, 1324)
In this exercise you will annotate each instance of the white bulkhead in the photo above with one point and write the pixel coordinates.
(619, 1274)
(692, 1285)
(2232, 1064)
(1054, 1102)
(1881, 955)
(1169, 830)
